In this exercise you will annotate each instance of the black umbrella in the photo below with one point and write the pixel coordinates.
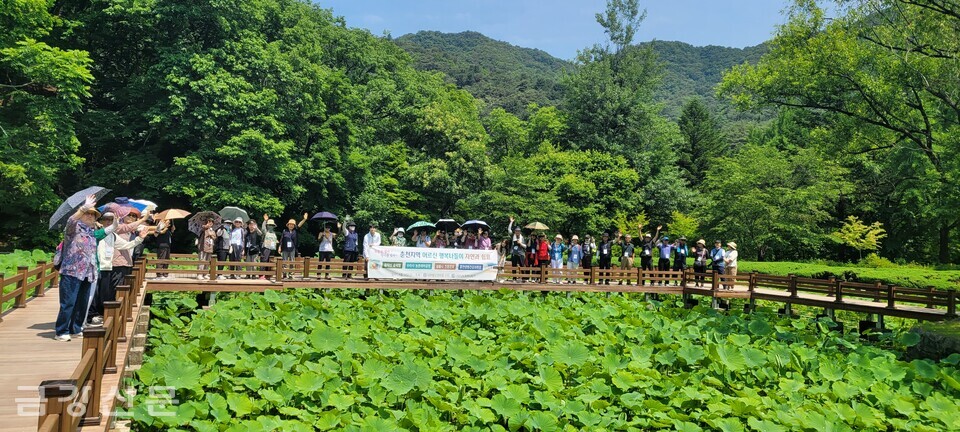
(324, 216)
(447, 225)
(72, 204)
(473, 225)
(195, 224)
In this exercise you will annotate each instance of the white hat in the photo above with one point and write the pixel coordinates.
(238, 220)
(732, 245)
(574, 237)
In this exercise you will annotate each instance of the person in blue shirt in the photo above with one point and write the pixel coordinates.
(575, 255)
(557, 248)
(680, 253)
(666, 248)
(350, 242)
(717, 255)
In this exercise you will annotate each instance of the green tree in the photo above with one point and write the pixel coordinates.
(702, 139)
(883, 77)
(42, 88)
(683, 225)
(772, 202)
(858, 235)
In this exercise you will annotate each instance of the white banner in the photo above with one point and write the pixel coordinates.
(388, 262)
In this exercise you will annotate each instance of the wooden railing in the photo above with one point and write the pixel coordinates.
(830, 293)
(28, 282)
(67, 404)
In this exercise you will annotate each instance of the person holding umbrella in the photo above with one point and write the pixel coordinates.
(439, 240)
(164, 233)
(420, 238)
(78, 269)
(108, 245)
(238, 237)
(326, 245)
(290, 240)
(206, 245)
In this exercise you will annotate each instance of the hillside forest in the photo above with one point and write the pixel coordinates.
(835, 132)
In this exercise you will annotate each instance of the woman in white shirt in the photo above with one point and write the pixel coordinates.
(326, 246)
(730, 262)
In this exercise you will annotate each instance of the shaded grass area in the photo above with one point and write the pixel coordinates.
(906, 276)
(8, 267)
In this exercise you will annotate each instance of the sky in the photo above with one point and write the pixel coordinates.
(561, 27)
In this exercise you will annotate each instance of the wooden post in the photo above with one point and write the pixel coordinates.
(543, 274)
(306, 268)
(683, 277)
(837, 290)
(112, 309)
(93, 338)
(593, 275)
(278, 269)
(751, 288)
(56, 277)
(930, 290)
(125, 296)
(213, 268)
(951, 304)
(793, 286)
(53, 394)
(131, 299)
(891, 297)
(715, 285)
(21, 301)
(44, 279)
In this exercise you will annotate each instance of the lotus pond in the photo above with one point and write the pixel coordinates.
(499, 361)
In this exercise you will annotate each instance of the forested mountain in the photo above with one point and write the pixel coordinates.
(500, 74)
(510, 77)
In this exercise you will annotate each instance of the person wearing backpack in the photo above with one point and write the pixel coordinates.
(290, 239)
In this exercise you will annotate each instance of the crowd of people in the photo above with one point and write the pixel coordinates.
(98, 251)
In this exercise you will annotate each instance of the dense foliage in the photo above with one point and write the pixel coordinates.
(278, 107)
(499, 74)
(305, 360)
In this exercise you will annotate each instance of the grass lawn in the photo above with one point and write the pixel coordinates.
(906, 276)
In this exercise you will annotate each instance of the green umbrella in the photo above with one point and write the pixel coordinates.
(420, 224)
(231, 213)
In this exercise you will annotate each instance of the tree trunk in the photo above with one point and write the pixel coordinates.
(944, 255)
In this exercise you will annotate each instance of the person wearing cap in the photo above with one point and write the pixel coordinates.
(717, 255)
(626, 246)
(290, 239)
(647, 246)
(700, 255)
(351, 240)
(77, 258)
(370, 240)
(575, 255)
(397, 238)
(730, 262)
(270, 241)
(206, 246)
(557, 248)
(605, 255)
(665, 248)
(680, 253)
(222, 247)
(238, 237)
(517, 246)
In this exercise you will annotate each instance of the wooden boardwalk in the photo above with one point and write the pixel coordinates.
(30, 355)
